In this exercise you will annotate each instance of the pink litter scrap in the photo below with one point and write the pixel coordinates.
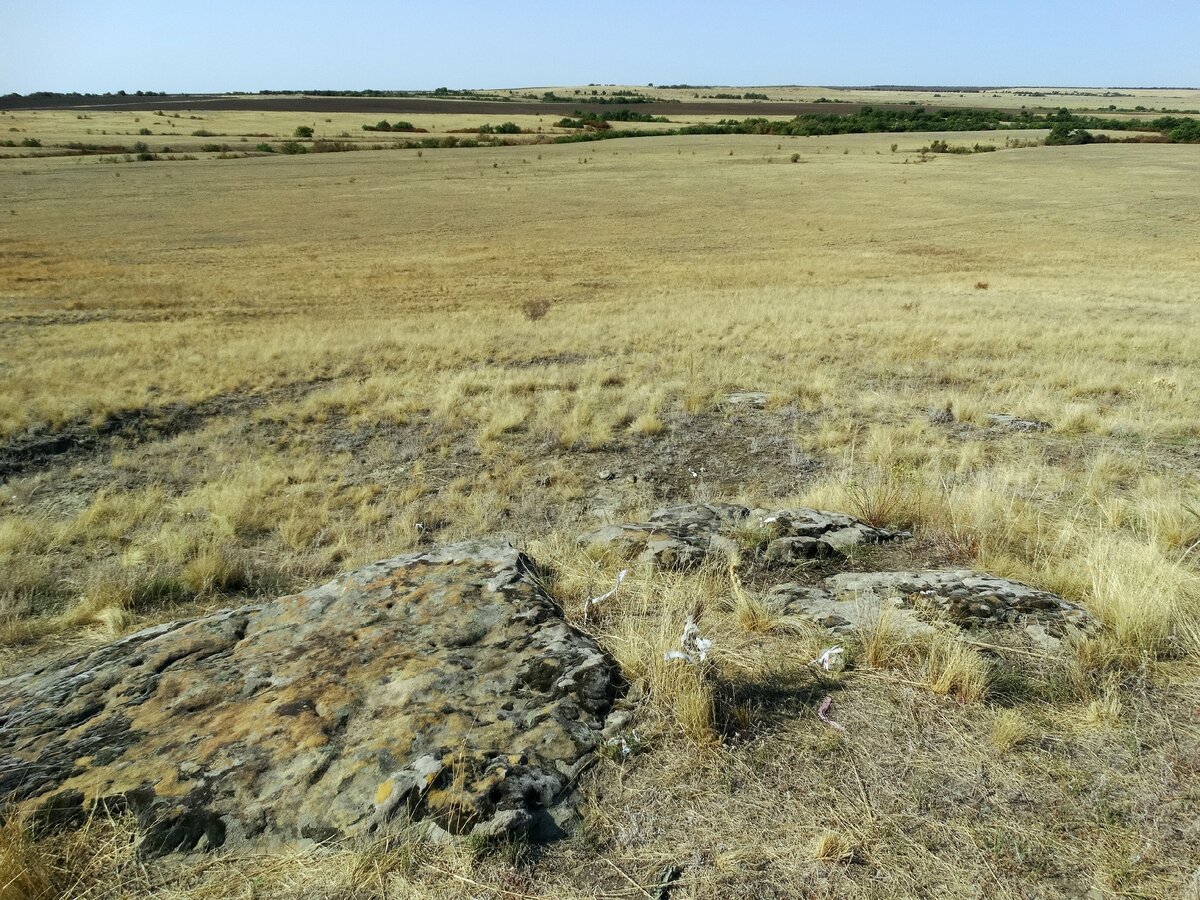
(823, 714)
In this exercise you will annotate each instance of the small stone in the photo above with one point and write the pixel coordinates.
(1012, 423)
(795, 549)
(607, 475)
(752, 399)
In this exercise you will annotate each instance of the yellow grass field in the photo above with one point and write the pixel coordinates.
(1035, 98)
(292, 361)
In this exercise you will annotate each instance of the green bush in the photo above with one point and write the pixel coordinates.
(145, 131)
(1064, 135)
(202, 132)
(31, 142)
(265, 148)
(292, 147)
(503, 128)
(385, 125)
(303, 131)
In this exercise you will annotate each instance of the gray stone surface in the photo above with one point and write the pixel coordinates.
(916, 602)
(442, 686)
(683, 536)
(1013, 423)
(753, 399)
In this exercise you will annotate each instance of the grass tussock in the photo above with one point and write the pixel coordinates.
(1011, 730)
(956, 670)
(100, 859)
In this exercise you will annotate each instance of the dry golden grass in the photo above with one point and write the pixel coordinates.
(1005, 98)
(334, 365)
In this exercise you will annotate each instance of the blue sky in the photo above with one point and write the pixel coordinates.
(214, 45)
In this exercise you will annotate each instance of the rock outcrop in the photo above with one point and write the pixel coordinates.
(1014, 423)
(682, 537)
(442, 686)
(916, 602)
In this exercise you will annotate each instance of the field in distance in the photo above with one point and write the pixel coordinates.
(229, 378)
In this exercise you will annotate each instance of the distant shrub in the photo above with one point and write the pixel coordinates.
(535, 308)
(202, 132)
(795, 157)
(265, 148)
(941, 146)
(385, 125)
(502, 128)
(145, 131)
(303, 131)
(31, 142)
(1063, 134)
(292, 147)
(332, 146)
(140, 147)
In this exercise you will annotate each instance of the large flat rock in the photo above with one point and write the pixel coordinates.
(441, 686)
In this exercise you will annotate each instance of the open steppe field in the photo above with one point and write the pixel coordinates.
(1034, 98)
(226, 379)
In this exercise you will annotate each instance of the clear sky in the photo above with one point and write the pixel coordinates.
(217, 45)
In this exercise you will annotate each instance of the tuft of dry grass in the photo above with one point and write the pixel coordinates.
(1010, 730)
(750, 614)
(98, 860)
(886, 645)
(954, 669)
(833, 846)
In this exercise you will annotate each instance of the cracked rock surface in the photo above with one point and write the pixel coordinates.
(442, 686)
(682, 537)
(918, 601)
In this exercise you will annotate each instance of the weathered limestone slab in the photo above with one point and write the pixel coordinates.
(442, 686)
(1013, 423)
(915, 601)
(681, 537)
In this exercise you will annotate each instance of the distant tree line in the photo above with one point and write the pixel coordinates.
(1065, 126)
(600, 120)
(622, 98)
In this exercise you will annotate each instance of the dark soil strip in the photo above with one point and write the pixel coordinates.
(39, 449)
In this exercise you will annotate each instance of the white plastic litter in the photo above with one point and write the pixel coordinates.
(831, 660)
(695, 648)
(620, 577)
